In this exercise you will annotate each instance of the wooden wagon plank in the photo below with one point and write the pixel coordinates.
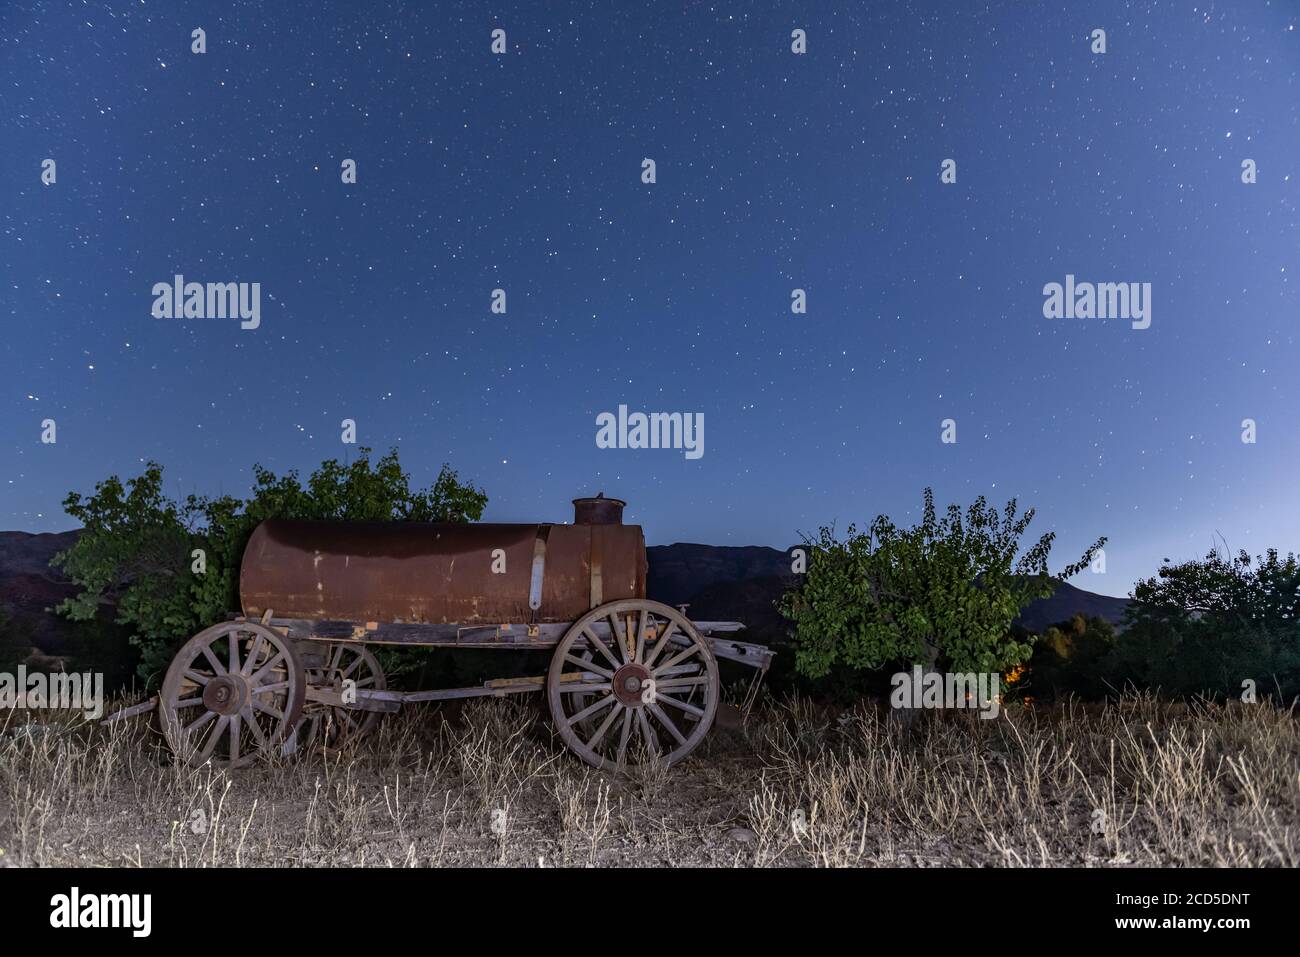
(756, 656)
(144, 706)
(453, 634)
(382, 701)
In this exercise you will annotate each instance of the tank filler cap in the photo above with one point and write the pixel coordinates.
(598, 510)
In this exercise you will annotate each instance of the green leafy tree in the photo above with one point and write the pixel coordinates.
(944, 589)
(137, 552)
(1208, 625)
(133, 554)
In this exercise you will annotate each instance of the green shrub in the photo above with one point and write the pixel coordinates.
(945, 589)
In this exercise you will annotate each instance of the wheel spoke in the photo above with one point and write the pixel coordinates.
(667, 722)
(253, 652)
(217, 667)
(187, 703)
(232, 643)
(589, 666)
(647, 733)
(640, 635)
(623, 737)
(267, 709)
(669, 684)
(313, 725)
(694, 649)
(250, 719)
(213, 737)
(619, 640)
(588, 711)
(600, 646)
(198, 723)
(234, 735)
(609, 719)
(662, 644)
(197, 676)
(679, 671)
(688, 708)
(256, 679)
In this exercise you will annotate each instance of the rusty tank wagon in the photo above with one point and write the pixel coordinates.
(630, 679)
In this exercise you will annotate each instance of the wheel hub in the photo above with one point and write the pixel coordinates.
(226, 694)
(629, 684)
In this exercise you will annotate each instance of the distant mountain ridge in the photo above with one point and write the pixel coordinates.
(29, 586)
(678, 572)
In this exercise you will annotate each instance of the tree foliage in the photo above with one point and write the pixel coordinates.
(137, 548)
(946, 588)
(1208, 625)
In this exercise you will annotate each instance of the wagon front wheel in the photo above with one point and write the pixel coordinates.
(648, 691)
(233, 692)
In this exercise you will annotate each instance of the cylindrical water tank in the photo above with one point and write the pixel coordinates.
(439, 573)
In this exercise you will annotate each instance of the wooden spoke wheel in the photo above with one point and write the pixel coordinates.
(329, 726)
(648, 690)
(231, 693)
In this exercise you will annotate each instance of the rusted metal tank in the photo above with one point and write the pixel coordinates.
(443, 573)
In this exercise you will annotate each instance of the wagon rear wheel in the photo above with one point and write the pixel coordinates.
(328, 726)
(648, 690)
(233, 692)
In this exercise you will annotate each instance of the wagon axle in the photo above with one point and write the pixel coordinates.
(225, 694)
(629, 682)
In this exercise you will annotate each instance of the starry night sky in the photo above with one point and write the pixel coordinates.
(775, 171)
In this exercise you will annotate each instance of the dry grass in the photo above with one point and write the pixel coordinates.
(1141, 782)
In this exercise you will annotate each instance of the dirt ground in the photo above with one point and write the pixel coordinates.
(1139, 782)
